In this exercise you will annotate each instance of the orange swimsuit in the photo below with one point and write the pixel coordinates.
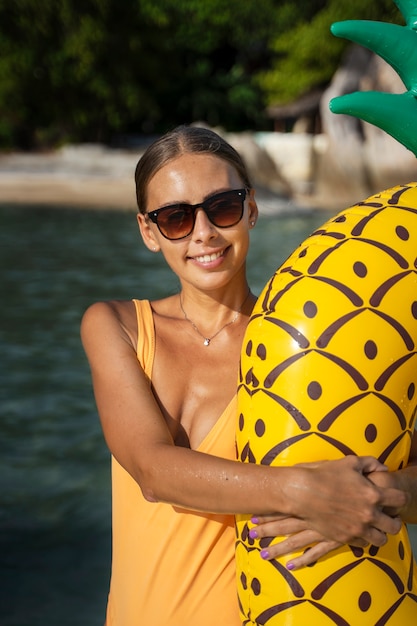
(171, 567)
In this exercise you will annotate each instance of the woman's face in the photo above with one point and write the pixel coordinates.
(209, 257)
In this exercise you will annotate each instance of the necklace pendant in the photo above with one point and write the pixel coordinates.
(207, 340)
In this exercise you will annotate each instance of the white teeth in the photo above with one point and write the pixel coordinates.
(208, 257)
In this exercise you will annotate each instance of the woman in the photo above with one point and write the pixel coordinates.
(165, 376)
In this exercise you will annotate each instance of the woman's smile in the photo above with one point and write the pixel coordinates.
(209, 258)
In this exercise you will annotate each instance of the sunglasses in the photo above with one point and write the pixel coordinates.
(178, 220)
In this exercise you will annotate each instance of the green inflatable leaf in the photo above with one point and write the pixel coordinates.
(409, 10)
(396, 114)
(395, 44)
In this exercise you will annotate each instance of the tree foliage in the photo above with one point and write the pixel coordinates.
(305, 55)
(87, 70)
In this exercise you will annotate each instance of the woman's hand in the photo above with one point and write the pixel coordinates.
(404, 479)
(338, 500)
(296, 537)
(317, 538)
(297, 534)
(385, 480)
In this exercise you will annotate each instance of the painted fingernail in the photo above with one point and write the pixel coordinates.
(255, 520)
(264, 554)
(290, 565)
(253, 533)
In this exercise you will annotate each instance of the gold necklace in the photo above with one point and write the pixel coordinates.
(207, 340)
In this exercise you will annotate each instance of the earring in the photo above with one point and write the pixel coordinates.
(252, 223)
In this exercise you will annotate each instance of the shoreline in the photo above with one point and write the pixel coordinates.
(117, 195)
(82, 176)
(289, 172)
(88, 193)
(96, 177)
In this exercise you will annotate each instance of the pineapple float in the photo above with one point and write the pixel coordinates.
(329, 368)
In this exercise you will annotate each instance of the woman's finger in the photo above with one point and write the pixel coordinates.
(294, 543)
(313, 554)
(277, 527)
(320, 548)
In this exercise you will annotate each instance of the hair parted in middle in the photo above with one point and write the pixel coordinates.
(183, 140)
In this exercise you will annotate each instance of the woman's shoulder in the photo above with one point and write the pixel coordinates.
(119, 318)
(123, 313)
(107, 310)
(110, 319)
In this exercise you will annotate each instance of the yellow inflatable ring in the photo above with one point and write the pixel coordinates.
(329, 368)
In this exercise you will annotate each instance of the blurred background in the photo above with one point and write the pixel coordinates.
(100, 70)
(85, 85)
(116, 74)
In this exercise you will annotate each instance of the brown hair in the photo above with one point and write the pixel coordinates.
(182, 140)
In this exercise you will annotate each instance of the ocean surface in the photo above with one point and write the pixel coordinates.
(54, 480)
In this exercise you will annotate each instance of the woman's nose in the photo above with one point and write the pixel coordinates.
(203, 228)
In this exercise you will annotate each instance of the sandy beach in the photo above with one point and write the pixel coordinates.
(96, 176)
(89, 192)
(91, 176)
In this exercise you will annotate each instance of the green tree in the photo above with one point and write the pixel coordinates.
(305, 54)
(89, 70)
(76, 69)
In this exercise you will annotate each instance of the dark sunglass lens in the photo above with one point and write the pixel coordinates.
(175, 223)
(225, 211)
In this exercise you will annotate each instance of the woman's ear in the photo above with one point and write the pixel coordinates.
(147, 234)
(253, 208)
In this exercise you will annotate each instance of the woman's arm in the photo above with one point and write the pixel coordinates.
(334, 498)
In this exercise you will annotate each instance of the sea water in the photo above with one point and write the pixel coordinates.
(54, 480)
